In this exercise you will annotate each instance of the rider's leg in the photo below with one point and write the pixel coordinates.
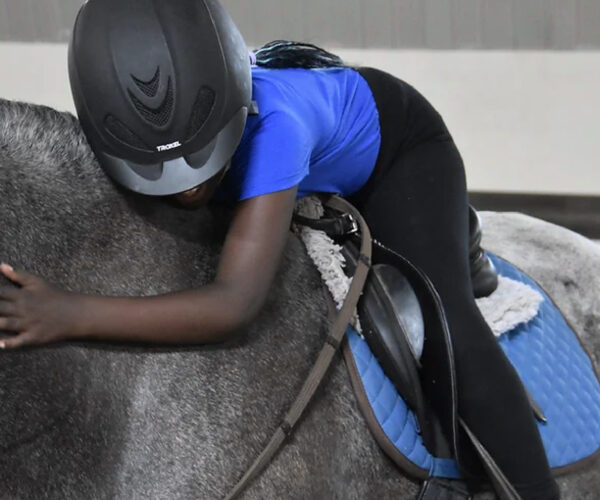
(419, 207)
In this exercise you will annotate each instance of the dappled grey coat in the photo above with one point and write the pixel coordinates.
(98, 421)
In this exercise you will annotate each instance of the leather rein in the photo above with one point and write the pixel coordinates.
(331, 346)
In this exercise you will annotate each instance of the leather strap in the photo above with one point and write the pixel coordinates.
(327, 353)
(334, 226)
(502, 486)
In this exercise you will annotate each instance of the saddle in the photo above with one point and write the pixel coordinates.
(399, 309)
(394, 385)
(411, 404)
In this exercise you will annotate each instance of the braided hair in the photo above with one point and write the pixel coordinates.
(287, 54)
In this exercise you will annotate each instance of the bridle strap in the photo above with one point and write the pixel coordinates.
(334, 339)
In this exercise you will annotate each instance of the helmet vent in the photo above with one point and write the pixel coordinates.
(160, 116)
(121, 132)
(204, 104)
(149, 88)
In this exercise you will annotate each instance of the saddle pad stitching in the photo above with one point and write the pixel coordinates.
(571, 354)
(409, 444)
(401, 459)
(565, 449)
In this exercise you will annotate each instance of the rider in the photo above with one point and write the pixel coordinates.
(171, 106)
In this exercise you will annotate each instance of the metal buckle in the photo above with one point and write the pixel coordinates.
(353, 224)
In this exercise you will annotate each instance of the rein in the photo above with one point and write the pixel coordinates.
(331, 346)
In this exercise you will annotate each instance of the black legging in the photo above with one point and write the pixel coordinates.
(416, 203)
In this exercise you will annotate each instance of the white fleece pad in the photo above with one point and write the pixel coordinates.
(330, 262)
(511, 304)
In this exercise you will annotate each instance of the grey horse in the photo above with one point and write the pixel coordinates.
(91, 420)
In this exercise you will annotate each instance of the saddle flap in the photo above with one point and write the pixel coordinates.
(437, 373)
(396, 287)
(393, 326)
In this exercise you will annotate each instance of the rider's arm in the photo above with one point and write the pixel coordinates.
(248, 264)
(39, 313)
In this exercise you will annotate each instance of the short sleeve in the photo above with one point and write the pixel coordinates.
(274, 155)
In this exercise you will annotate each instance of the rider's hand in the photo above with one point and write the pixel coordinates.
(36, 312)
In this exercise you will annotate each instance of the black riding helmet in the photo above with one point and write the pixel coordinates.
(162, 90)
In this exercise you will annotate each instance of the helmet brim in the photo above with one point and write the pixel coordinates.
(183, 173)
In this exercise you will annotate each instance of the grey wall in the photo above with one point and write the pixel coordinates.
(435, 24)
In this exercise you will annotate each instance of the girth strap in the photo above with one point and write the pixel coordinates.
(328, 350)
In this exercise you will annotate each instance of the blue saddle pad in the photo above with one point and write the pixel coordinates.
(552, 364)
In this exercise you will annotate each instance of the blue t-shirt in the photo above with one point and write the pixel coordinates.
(316, 128)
